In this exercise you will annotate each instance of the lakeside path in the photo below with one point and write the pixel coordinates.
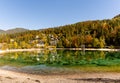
(20, 50)
(39, 49)
(15, 77)
(95, 49)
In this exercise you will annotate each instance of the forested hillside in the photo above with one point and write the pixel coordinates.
(97, 33)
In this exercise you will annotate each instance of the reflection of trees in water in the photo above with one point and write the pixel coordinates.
(64, 57)
(102, 55)
(112, 55)
(53, 57)
(72, 56)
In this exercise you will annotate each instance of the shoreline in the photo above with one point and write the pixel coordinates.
(17, 77)
(92, 49)
(40, 49)
(20, 50)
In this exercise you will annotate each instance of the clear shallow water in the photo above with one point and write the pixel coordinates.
(46, 61)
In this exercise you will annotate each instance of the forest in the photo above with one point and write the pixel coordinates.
(92, 34)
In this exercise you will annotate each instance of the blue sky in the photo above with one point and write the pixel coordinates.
(38, 14)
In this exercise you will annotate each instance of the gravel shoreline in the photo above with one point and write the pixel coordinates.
(17, 77)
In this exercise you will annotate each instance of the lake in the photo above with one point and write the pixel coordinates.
(56, 61)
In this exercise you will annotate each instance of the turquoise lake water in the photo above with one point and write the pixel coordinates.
(61, 60)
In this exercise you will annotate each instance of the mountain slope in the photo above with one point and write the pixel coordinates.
(2, 31)
(16, 30)
(96, 33)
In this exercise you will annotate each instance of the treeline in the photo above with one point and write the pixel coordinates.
(97, 34)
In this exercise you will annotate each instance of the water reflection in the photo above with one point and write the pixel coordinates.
(61, 57)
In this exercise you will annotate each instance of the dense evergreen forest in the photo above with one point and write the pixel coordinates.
(92, 34)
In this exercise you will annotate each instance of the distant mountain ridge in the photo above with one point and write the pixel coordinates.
(2, 31)
(12, 31)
